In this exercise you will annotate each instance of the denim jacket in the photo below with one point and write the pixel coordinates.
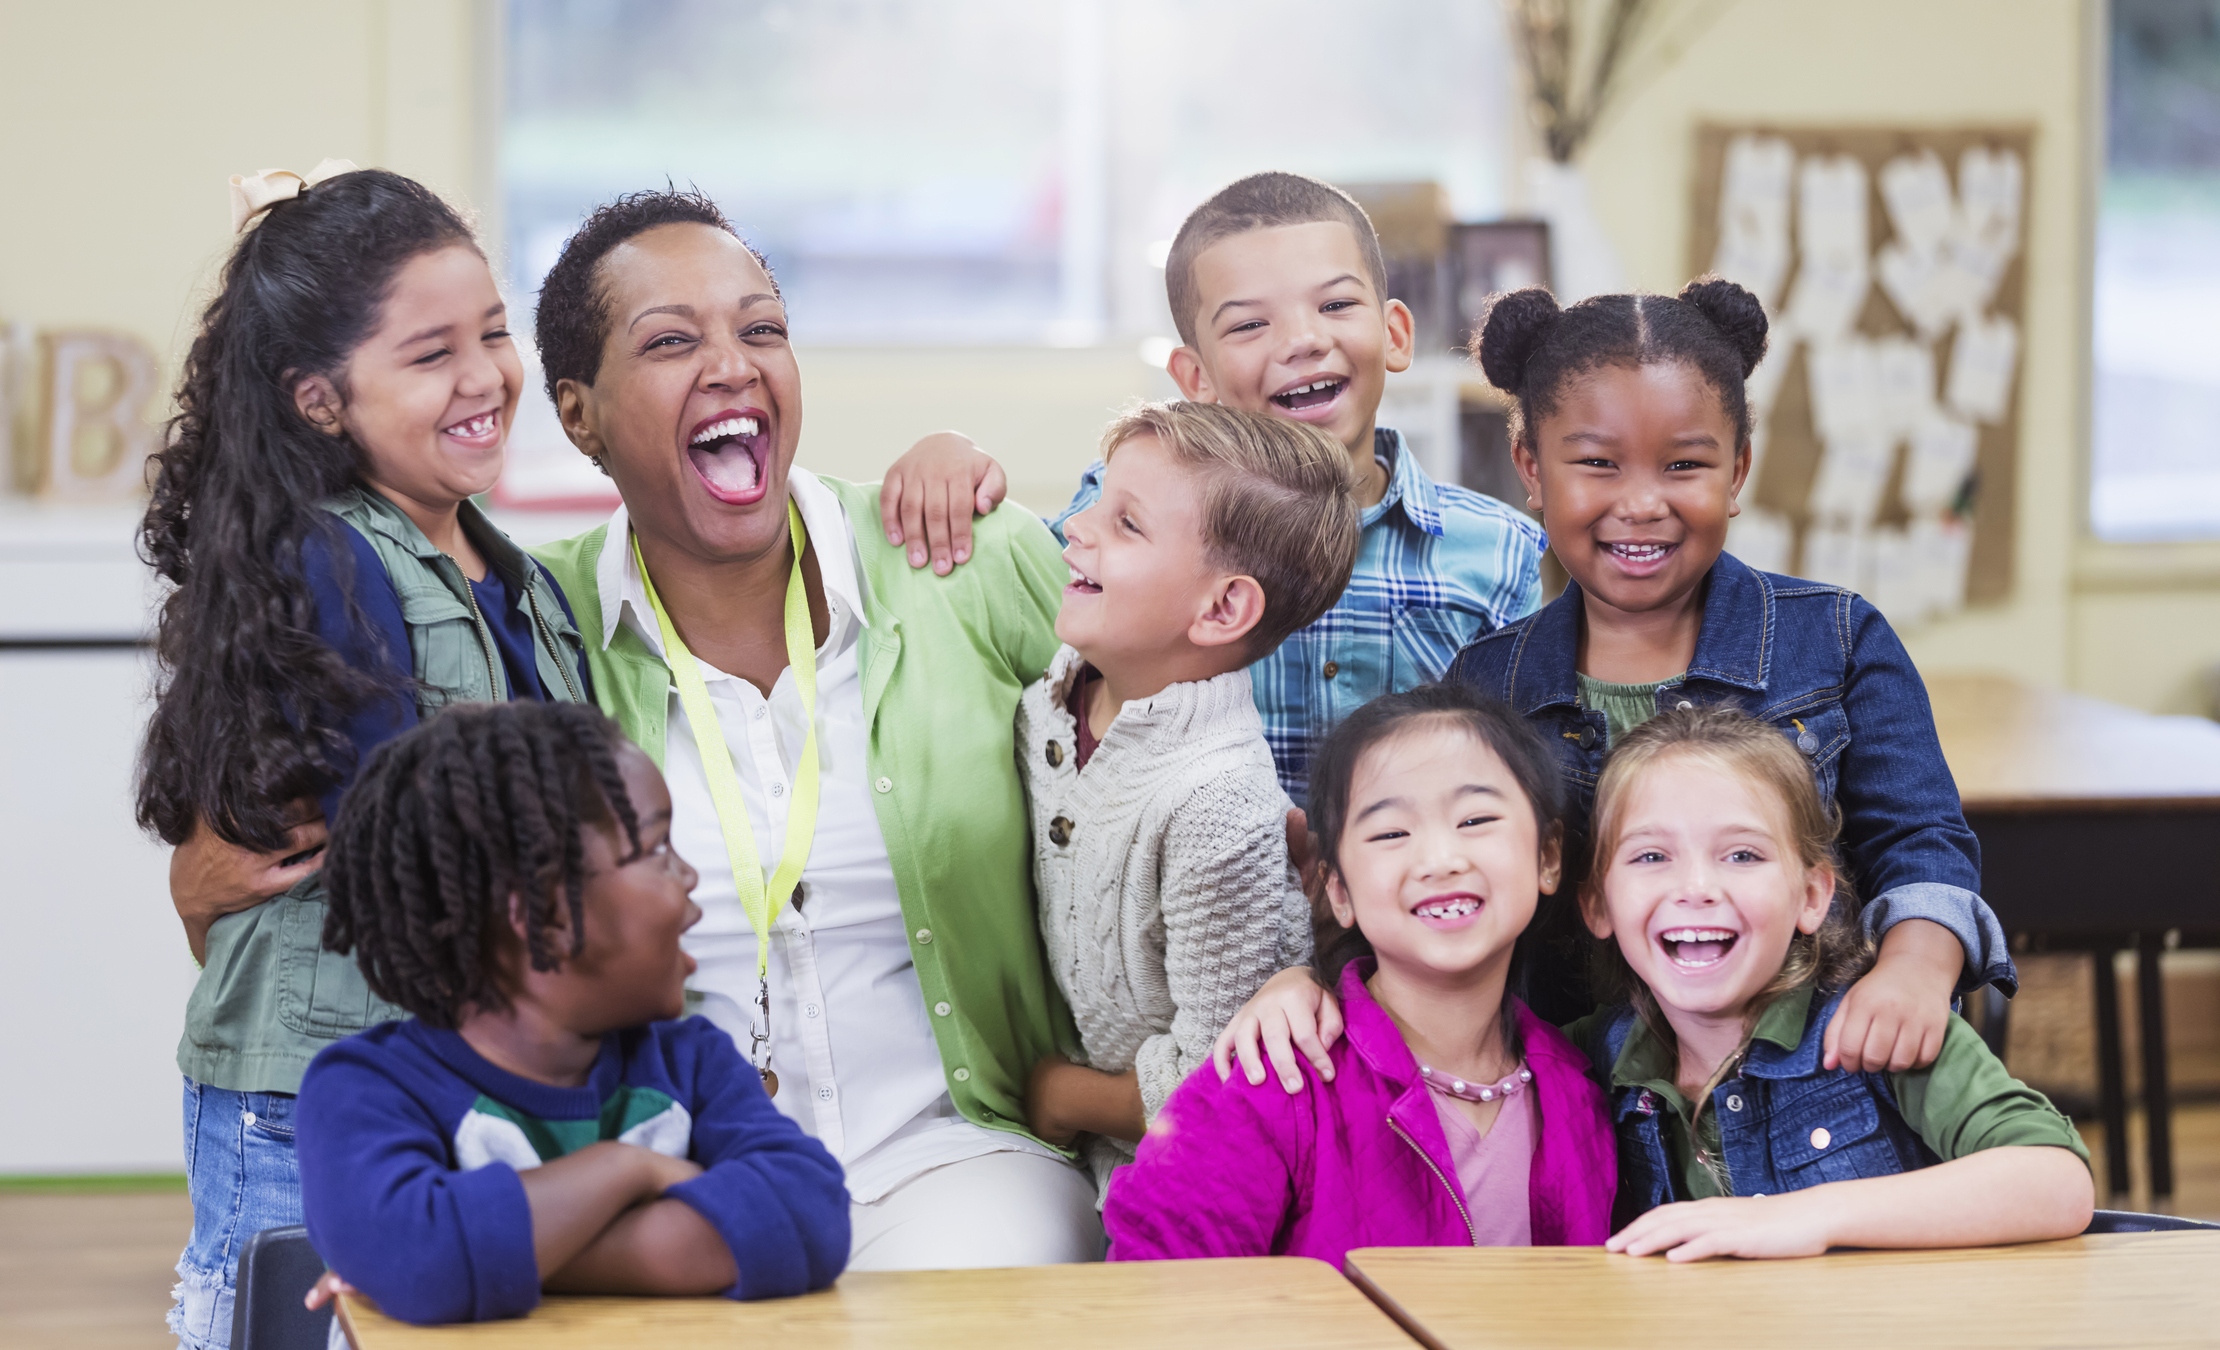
(1785, 1124)
(1822, 665)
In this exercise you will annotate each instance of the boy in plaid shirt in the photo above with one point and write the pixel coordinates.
(1279, 290)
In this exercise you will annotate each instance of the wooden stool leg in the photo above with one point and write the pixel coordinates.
(2158, 1103)
(2111, 1072)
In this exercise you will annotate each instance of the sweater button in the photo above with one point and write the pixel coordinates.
(961, 1075)
(1333, 668)
(884, 784)
(1059, 831)
(1055, 755)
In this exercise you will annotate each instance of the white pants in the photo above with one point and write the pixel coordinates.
(998, 1209)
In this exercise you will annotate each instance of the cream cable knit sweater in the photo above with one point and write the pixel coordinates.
(1170, 899)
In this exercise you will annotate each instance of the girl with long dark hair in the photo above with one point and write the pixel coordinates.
(349, 389)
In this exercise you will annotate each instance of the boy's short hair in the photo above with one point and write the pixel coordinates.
(1278, 504)
(1262, 201)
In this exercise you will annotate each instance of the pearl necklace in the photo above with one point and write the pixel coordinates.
(1475, 1092)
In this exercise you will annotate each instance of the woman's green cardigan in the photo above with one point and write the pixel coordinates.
(943, 662)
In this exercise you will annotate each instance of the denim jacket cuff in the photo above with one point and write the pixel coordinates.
(1965, 914)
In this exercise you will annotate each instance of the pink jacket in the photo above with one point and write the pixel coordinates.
(1233, 1170)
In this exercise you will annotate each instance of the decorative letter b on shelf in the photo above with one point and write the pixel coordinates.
(93, 436)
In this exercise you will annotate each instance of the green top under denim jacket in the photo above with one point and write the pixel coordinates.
(270, 996)
(943, 661)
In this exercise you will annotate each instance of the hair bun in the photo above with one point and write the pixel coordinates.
(1735, 312)
(1514, 327)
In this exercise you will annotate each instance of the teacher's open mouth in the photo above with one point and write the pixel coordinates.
(731, 454)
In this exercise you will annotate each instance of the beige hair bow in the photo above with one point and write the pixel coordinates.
(253, 194)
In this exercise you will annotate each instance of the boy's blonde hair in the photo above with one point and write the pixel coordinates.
(1278, 504)
(1733, 742)
(1262, 201)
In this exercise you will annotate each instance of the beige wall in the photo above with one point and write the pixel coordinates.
(2135, 625)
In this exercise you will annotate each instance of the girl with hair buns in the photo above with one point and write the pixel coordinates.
(350, 388)
(1632, 437)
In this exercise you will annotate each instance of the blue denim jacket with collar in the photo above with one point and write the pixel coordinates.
(1785, 1124)
(1822, 665)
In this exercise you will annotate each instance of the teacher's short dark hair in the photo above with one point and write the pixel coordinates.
(572, 322)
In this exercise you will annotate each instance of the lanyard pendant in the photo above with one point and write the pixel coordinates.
(759, 1037)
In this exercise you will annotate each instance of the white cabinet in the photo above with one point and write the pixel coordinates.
(94, 971)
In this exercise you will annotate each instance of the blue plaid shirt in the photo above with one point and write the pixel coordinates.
(1437, 566)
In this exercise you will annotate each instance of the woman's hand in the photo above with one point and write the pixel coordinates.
(1894, 1018)
(211, 877)
(1796, 1224)
(929, 495)
(1289, 1014)
(327, 1288)
(1064, 1100)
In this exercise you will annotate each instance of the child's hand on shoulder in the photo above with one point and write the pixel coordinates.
(1290, 1015)
(928, 497)
(1894, 1018)
(1758, 1227)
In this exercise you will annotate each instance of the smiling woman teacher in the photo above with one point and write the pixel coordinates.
(837, 731)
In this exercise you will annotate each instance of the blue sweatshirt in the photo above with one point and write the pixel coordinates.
(410, 1143)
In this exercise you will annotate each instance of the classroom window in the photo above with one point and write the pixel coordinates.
(935, 172)
(2155, 466)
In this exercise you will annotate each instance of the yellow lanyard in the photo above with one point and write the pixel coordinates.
(762, 901)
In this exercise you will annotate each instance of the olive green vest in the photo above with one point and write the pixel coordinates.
(270, 996)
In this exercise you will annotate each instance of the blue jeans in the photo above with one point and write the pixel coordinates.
(240, 1168)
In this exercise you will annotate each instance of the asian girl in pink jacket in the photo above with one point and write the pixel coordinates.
(1453, 1115)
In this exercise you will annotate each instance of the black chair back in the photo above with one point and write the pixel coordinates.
(2128, 1221)
(276, 1271)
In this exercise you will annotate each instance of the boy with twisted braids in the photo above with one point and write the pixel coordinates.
(504, 872)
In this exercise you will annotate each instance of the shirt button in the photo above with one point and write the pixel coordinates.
(1333, 668)
(778, 789)
(961, 1075)
(941, 1009)
(1820, 1138)
(824, 1094)
(924, 937)
(809, 1010)
(761, 712)
(1808, 743)
(884, 785)
(1734, 1103)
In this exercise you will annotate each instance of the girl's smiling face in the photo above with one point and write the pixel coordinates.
(430, 394)
(1704, 887)
(1636, 472)
(1441, 861)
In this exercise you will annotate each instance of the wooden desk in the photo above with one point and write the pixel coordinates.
(2126, 1289)
(2100, 829)
(1288, 1303)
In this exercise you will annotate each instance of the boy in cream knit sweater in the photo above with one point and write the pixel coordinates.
(1159, 825)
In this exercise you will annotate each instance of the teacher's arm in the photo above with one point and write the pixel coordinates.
(1028, 593)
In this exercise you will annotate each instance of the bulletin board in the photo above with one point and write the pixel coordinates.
(1891, 261)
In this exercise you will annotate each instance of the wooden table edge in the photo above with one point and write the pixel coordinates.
(1386, 1303)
